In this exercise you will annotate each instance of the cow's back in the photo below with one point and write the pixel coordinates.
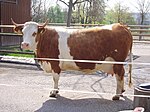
(98, 44)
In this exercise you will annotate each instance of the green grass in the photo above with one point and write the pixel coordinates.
(16, 49)
(19, 55)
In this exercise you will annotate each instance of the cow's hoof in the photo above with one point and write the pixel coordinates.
(116, 97)
(123, 91)
(54, 93)
(57, 91)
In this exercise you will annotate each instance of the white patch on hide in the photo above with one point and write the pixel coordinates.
(116, 50)
(107, 68)
(64, 50)
(109, 27)
(46, 66)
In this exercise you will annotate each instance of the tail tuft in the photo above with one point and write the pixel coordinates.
(130, 69)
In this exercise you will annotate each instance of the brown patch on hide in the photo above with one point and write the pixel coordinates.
(97, 44)
(18, 29)
(47, 47)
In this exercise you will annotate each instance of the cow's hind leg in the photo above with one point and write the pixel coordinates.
(54, 92)
(119, 73)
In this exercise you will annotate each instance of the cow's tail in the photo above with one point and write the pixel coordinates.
(130, 64)
(130, 67)
(130, 57)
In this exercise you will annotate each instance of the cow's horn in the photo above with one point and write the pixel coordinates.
(46, 22)
(14, 23)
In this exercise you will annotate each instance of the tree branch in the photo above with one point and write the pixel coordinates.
(77, 2)
(147, 7)
(63, 2)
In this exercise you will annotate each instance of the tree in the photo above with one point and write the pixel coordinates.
(71, 4)
(55, 14)
(89, 11)
(51, 14)
(119, 14)
(143, 6)
(96, 10)
(81, 12)
(38, 10)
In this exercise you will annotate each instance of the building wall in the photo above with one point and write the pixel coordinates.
(20, 12)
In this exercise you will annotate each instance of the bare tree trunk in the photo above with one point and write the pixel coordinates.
(69, 13)
(143, 6)
(142, 22)
(119, 10)
(45, 12)
(78, 13)
(87, 14)
(70, 6)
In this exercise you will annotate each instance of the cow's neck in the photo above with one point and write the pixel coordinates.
(48, 44)
(47, 47)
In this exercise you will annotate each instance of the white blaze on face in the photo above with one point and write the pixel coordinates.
(30, 28)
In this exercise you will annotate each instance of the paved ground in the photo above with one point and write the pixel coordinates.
(24, 88)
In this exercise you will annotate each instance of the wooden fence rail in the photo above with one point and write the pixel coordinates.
(137, 31)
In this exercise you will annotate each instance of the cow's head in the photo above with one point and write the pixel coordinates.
(29, 30)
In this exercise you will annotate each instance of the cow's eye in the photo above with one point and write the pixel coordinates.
(34, 34)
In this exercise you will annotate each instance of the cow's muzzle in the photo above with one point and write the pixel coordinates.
(25, 46)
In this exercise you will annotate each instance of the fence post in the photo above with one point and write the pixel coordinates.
(0, 24)
(140, 37)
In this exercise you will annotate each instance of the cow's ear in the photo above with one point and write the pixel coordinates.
(18, 29)
(41, 30)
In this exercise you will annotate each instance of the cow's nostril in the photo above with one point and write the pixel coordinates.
(27, 44)
(24, 44)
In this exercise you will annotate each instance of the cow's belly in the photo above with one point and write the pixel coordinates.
(65, 65)
(107, 68)
(46, 66)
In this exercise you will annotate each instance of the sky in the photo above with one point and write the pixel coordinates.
(110, 4)
(128, 3)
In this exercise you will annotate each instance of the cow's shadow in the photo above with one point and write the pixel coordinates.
(134, 57)
(62, 104)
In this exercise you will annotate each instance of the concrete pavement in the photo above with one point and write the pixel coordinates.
(24, 88)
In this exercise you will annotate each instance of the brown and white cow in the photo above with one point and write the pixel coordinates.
(107, 43)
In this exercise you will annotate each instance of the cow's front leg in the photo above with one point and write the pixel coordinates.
(54, 92)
